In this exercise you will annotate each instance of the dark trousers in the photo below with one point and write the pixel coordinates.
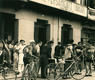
(67, 64)
(43, 64)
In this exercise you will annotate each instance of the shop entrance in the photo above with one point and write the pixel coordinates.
(42, 31)
(7, 26)
(66, 34)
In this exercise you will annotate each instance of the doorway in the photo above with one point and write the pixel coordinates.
(42, 31)
(7, 23)
(66, 34)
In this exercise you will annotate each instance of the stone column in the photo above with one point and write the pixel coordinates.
(26, 30)
(77, 34)
(78, 1)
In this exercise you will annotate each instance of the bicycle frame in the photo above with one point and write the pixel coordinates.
(66, 69)
(73, 62)
(32, 64)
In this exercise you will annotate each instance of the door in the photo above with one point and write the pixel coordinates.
(7, 26)
(66, 34)
(42, 31)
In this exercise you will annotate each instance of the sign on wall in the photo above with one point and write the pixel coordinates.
(65, 5)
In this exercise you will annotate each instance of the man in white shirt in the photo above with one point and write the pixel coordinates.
(21, 55)
(38, 48)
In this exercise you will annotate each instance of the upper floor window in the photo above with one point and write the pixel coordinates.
(72, 0)
(83, 2)
(91, 3)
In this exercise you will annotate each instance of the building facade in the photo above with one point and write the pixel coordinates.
(44, 20)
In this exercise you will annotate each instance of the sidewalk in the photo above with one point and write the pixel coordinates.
(86, 78)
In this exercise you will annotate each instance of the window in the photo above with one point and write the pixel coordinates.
(88, 33)
(83, 2)
(72, 0)
(91, 3)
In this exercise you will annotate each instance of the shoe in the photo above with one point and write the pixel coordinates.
(43, 77)
(64, 77)
(17, 73)
(86, 75)
(78, 73)
(89, 74)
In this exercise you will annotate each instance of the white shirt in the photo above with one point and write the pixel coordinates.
(68, 51)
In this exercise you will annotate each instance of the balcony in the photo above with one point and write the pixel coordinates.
(64, 5)
(91, 13)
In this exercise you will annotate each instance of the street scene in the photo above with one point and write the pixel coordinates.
(47, 39)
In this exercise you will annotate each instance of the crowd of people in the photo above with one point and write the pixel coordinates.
(84, 51)
(19, 53)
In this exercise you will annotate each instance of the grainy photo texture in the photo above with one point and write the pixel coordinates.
(47, 39)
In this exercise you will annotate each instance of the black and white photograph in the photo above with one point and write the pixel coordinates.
(47, 39)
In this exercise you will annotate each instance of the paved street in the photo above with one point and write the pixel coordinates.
(86, 78)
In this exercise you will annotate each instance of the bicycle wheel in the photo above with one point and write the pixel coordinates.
(59, 71)
(78, 71)
(34, 70)
(28, 73)
(9, 74)
(50, 71)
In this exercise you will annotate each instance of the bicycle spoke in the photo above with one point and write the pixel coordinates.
(78, 71)
(50, 72)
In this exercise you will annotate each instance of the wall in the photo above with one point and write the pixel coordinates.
(26, 19)
(76, 28)
(26, 24)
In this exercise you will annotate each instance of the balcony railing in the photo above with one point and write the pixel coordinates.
(64, 5)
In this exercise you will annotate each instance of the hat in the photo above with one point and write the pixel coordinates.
(32, 41)
(50, 42)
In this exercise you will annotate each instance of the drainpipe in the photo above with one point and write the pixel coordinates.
(87, 8)
(58, 30)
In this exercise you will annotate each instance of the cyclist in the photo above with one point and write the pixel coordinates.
(79, 55)
(1, 53)
(68, 56)
(89, 58)
(30, 54)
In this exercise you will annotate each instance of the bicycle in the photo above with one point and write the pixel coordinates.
(55, 71)
(31, 69)
(8, 72)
